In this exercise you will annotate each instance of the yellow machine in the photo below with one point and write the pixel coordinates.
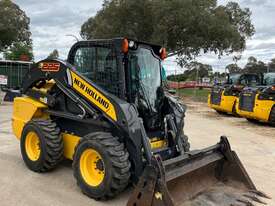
(106, 110)
(258, 103)
(227, 103)
(223, 98)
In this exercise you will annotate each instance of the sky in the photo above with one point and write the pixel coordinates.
(52, 21)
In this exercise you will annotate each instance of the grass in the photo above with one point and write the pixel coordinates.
(195, 94)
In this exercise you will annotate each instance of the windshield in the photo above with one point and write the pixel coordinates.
(269, 79)
(233, 78)
(250, 80)
(145, 74)
(244, 79)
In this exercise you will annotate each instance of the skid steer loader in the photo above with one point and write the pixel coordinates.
(258, 103)
(223, 98)
(105, 109)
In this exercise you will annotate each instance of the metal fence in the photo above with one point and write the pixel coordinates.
(14, 71)
(188, 84)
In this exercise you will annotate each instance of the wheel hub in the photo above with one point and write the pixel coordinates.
(99, 165)
(92, 167)
(32, 146)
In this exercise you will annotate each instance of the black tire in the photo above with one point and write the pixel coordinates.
(272, 116)
(234, 110)
(50, 143)
(220, 112)
(185, 143)
(116, 165)
(252, 120)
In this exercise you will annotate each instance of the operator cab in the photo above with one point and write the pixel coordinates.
(128, 69)
(269, 79)
(244, 79)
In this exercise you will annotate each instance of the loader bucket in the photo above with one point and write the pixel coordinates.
(210, 177)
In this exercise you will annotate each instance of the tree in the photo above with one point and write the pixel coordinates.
(198, 70)
(185, 27)
(271, 65)
(195, 71)
(233, 68)
(252, 60)
(255, 66)
(14, 25)
(219, 75)
(19, 51)
(54, 54)
(177, 78)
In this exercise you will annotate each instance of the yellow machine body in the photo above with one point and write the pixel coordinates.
(25, 109)
(226, 104)
(261, 110)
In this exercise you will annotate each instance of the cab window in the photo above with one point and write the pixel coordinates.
(99, 64)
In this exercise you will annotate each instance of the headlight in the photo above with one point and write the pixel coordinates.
(131, 44)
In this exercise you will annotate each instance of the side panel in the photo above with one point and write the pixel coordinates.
(261, 110)
(226, 105)
(25, 109)
(247, 101)
(215, 96)
(70, 142)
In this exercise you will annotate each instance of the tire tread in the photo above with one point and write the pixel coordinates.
(120, 163)
(53, 142)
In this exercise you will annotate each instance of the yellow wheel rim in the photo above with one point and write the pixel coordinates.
(32, 146)
(92, 167)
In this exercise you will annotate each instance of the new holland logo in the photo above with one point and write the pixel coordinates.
(93, 95)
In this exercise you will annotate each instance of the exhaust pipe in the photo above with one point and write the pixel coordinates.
(212, 176)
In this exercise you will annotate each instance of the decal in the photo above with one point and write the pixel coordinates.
(93, 95)
(49, 66)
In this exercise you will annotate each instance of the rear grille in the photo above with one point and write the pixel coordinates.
(216, 97)
(247, 101)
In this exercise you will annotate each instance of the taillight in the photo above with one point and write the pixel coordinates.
(125, 46)
(163, 53)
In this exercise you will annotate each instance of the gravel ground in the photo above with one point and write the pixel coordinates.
(254, 143)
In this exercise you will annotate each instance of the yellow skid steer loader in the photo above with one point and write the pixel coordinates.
(258, 103)
(223, 98)
(105, 109)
